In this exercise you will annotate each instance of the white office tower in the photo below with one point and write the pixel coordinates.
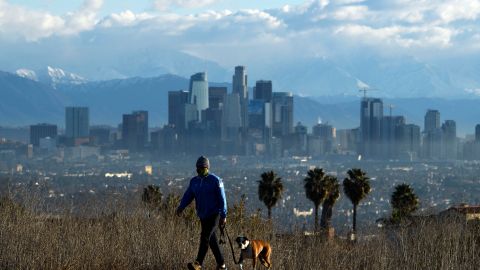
(199, 92)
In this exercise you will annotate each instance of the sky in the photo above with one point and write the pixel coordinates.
(59, 7)
(231, 31)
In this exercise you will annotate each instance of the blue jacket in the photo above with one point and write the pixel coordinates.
(209, 195)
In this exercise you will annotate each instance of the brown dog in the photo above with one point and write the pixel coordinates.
(253, 249)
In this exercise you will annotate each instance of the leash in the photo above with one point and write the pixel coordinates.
(223, 231)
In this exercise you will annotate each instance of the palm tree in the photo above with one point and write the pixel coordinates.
(356, 186)
(152, 197)
(332, 188)
(404, 202)
(315, 189)
(270, 189)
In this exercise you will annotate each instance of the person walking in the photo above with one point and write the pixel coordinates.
(211, 206)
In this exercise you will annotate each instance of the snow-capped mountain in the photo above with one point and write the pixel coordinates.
(27, 74)
(51, 76)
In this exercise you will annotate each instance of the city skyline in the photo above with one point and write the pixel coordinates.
(208, 119)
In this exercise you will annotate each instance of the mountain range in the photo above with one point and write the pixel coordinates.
(392, 76)
(27, 101)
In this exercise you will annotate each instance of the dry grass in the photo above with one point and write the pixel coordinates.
(134, 239)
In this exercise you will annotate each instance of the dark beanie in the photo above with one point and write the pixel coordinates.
(202, 162)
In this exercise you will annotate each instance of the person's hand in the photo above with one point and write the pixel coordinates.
(178, 212)
(222, 222)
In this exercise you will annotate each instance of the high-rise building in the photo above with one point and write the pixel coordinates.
(371, 115)
(176, 109)
(263, 91)
(256, 117)
(232, 121)
(300, 139)
(391, 134)
(449, 128)
(432, 120)
(41, 131)
(326, 135)
(282, 114)
(135, 130)
(432, 141)
(77, 122)
(216, 97)
(347, 139)
(240, 87)
(199, 92)
(410, 141)
(477, 133)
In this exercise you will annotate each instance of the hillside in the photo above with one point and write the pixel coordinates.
(126, 235)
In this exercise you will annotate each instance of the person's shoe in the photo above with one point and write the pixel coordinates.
(221, 267)
(194, 266)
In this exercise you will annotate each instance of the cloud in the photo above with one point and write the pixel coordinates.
(310, 29)
(450, 11)
(407, 37)
(351, 13)
(125, 18)
(164, 5)
(19, 22)
(83, 19)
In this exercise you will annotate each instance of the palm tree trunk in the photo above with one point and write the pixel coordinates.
(354, 218)
(326, 215)
(269, 213)
(316, 218)
(323, 218)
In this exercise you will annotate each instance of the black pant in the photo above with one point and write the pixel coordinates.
(208, 238)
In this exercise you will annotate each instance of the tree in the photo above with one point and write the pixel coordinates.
(270, 189)
(356, 186)
(404, 202)
(315, 189)
(332, 189)
(152, 197)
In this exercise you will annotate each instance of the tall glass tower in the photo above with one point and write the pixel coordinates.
(199, 92)
(240, 87)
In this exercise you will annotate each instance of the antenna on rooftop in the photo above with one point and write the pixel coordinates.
(366, 89)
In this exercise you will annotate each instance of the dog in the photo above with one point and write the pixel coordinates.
(253, 249)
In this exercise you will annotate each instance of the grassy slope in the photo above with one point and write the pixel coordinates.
(162, 241)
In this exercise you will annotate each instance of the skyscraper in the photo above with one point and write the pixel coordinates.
(41, 131)
(432, 142)
(260, 109)
(199, 92)
(282, 114)
(371, 115)
(135, 130)
(449, 128)
(176, 109)
(432, 120)
(391, 135)
(216, 97)
(326, 135)
(477, 133)
(410, 141)
(263, 91)
(240, 87)
(232, 121)
(77, 122)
